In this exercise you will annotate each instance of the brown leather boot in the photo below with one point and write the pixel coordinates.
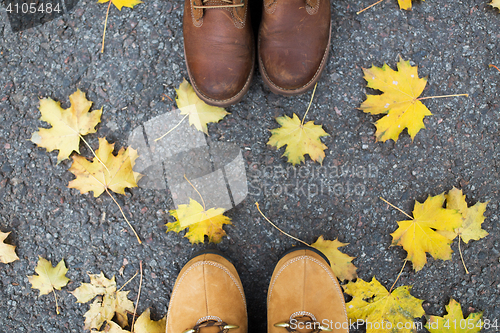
(219, 49)
(304, 296)
(207, 298)
(294, 39)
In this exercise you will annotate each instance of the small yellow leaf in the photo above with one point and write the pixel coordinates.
(431, 230)
(372, 303)
(85, 293)
(112, 327)
(99, 285)
(108, 304)
(95, 317)
(194, 213)
(405, 4)
(144, 324)
(399, 100)
(340, 262)
(454, 322)
(300, 139)
(495, 3)
(200, 113)
(200, 222)
(122, 305)
(122, 3)
(472, 217)
(67, 125)
(7, 252)
(93, 176)
(48, 278)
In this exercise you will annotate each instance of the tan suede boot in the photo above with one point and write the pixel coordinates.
(207, 298)
(304, 296)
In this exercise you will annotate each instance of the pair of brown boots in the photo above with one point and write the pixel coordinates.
(303, 296)
(293, 44)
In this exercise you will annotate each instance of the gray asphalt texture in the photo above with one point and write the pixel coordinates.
(452, 42)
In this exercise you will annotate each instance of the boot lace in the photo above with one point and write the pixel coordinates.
(210, 321)
(303, 319)
(225, 4)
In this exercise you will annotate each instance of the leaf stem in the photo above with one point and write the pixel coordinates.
(494, 67)
(402, 211)
(105, 25)
(123, 214)
(370, 6)
(55, 297)
(161, 137)
(401, 271)
(93, 153)
(53, 289)
(203, 201)
(295, 238)
(310, 102)
(442, 96)
(461, 257)
(137, 301)
(88, 145)
(136, 272)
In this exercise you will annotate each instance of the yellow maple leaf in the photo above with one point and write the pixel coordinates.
(405, 4)
(112, 327)
(299, 138)
(399, 100)
(99, 285)
(199, 112)
(122, 3)
(495, 3)
(97, 314)
(68, 125)
(49, 278)
(340, 262)
(382, 311)
(93, 176)
(454, 322)
(472, 217)
(200, 222)
(7, 251)
(122, 305)
(108, 304)
(144, 324)
(421, 235)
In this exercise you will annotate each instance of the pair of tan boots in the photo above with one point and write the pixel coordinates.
(303, 296)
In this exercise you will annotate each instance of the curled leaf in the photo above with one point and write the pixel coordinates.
(7, 252)
(107, 304)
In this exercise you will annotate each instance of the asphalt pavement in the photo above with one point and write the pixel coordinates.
(451, 42)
